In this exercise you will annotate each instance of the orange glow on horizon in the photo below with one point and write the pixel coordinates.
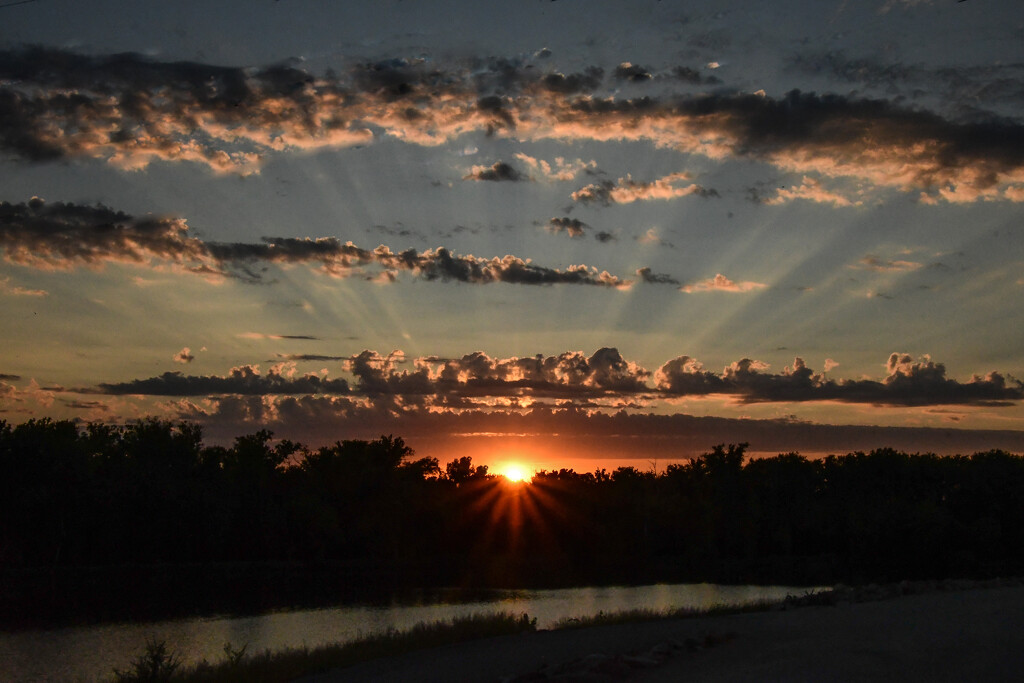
(514, 472)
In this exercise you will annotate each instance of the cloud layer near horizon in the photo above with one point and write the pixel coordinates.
(131, 110)
(469, 381)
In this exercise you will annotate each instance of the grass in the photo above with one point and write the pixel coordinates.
(158, 665)
(635, 615)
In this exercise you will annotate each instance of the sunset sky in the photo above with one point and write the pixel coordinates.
(556, 232)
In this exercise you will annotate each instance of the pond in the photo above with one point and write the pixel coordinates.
(90, 653)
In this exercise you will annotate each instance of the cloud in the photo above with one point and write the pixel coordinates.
(560, 169)
(440, 264)
(651, 237)
(604, 380)
(872, 141)
(692, 76)
(573, 226)
(184, 356)
(9, 378)
(811, 190)
(60, 236)
(908, 382)
(627, 190)
(627, 71)
(880, 265)
(574, 431)
(243, 380)
(131, 110)
(309, 357)
(14, 290)
(63, 236)
(261, 335)
(720, 283)
(647, 275)
(587, 80)
(499, 171)
(595, 193)
(569, 375)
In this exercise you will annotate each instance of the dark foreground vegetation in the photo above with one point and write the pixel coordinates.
(144, 521)
(158, 664)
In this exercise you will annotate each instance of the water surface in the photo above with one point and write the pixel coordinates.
(90, 653)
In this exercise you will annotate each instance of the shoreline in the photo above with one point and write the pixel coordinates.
(41, 599)
(928, 630)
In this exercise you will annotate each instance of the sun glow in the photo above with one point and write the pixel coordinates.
(515, 472)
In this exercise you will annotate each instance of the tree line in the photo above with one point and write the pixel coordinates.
(151, 493)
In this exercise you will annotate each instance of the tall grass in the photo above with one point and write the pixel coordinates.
(646, 614)
(158, 665)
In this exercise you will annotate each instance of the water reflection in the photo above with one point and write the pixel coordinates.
(90, 653)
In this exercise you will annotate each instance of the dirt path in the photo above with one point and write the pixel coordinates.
(944, 636)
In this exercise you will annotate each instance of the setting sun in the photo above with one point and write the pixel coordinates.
(513, 471)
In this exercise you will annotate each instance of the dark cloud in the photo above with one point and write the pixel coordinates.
(87, 405)
(604, 237)
(692, 76)
(830, 124)
(575, 377)
(440, 264)
(997, 85)
(574, 432)
(589, 80)
(61, 236)
(496, 113)
(261, 335)
(184, 356)
(573, 226)
(244, 380)
(400, 230)
(499, 171)
(627, 71)
(9, 378)
(397, 79)
(569, 375)
(647, 275)
(309, 357)
(595, 193)
(908, 383)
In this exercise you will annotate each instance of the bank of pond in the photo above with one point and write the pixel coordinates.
(302, 640)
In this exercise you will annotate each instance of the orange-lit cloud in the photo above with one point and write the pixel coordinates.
(810, 190)
(131, 110)
(627, 190)
(14, 290)
(560, 169)
(602, 381)
(720, 283)
(574, 227)
(881, 265)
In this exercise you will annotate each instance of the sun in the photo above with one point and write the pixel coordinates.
(514, 471)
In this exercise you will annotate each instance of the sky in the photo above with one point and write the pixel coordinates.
(569, 233)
